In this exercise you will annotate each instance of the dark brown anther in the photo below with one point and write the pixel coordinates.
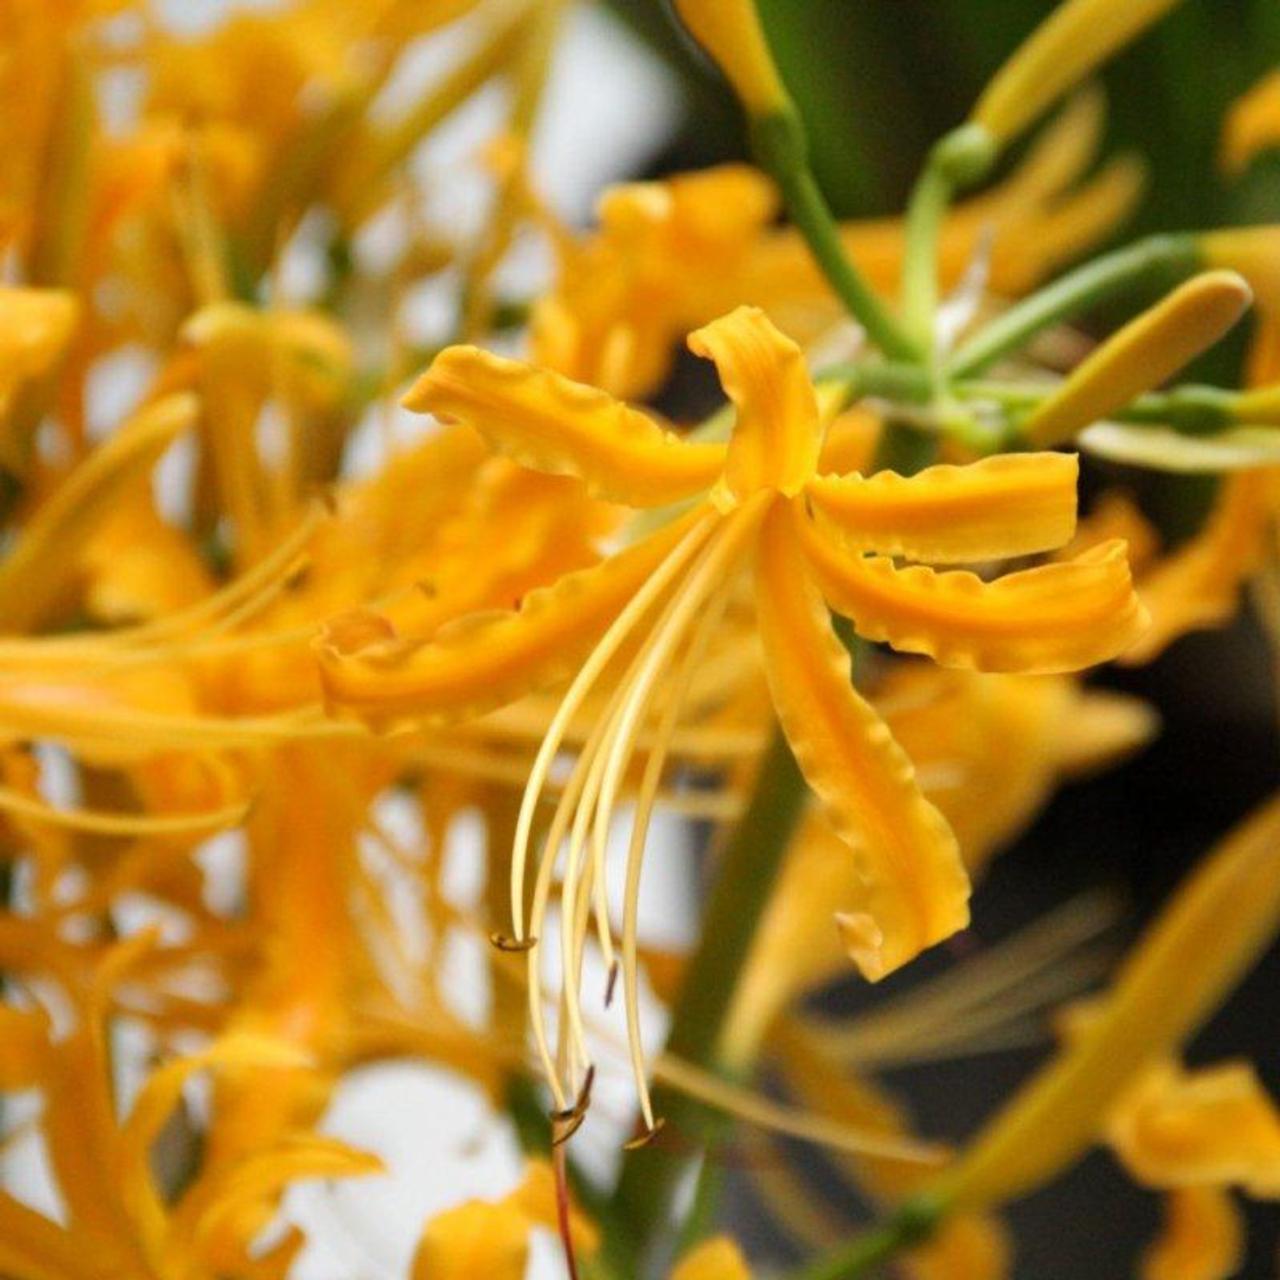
(504, 942)
(644, 1139)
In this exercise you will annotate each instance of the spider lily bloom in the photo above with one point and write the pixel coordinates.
(644, 616)
(115, 1217)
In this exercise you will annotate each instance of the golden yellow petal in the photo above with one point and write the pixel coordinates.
(475, 1239)
(24, 1040)
(908, 888)
(1009, 505)
(1202, 1238)
(549, 423)
(777, 435)
(715, 1259)
(1216, 1125)
(969, 1246)
(486, 660)
(1252, 124)
(1198, 586)
(1143, 354)
(536, 1198)
(35, 1248)
(1253, 252)
(1055, 618)
(37, 573)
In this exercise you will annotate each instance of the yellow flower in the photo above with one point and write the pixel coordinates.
(665, 593)
(673, 254)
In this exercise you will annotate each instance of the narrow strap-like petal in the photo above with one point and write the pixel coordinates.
(1010, 505)
(907, 886)
(484, 661)
(549, 423)
(1201, 1238)
(1059, 617)
(778, 432)
(1215, 1125)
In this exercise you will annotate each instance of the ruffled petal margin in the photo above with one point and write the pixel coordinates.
(548, 422)
(909, 889)
(1055, 618)
(1009, 505)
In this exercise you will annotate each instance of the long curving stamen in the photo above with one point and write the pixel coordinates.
(645, 800)
(573, 699)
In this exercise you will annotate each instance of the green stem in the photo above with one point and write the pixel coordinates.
(959, 159)
(925, 213)
(1153, 261)
(1191, 408)
(780, 147)
(913, 1223)
(749, 866)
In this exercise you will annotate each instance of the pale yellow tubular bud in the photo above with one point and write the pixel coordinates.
(1062, 51)
(730, 32)
(1148, 350)
(1203, 943)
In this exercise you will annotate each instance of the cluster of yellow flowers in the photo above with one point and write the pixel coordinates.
(555, 614)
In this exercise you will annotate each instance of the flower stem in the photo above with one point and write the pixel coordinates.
(960, 159)
(912, 1224)
(749, 866)
(1157, 260)
(781, 149)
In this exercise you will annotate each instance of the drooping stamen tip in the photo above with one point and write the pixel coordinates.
(645, 1138)
(505, 942)
(567, 1122)
(611, 984)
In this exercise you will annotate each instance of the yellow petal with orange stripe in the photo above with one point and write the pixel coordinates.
(550, 423)
(906, 878)
(1009, 505)
(1055, 618)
